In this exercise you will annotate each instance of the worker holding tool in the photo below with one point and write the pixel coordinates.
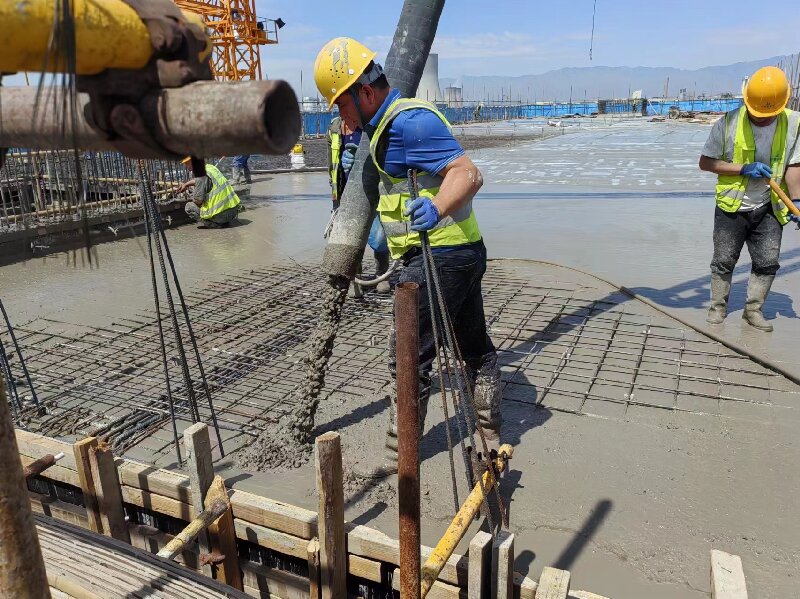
(746, 148)
(215, 203)
(411, 134)
(342, 145)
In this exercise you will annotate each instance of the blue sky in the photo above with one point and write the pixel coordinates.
(515, 37)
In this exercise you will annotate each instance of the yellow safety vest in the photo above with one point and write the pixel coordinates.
(335, 134)
(221, 197)
(739, 147)
(457, 229)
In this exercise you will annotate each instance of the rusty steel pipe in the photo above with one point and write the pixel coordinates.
(22, 573)
(206, 118)
(43, 463)
(406, 320)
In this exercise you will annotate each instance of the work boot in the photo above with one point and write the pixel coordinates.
(355, 291)
(720, 292)
(382, 260)
(757, 291)
(488, 395)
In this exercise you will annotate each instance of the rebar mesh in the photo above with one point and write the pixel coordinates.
(562, 345)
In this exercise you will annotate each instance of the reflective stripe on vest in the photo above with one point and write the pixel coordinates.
(336, 155)
(221, 197)
(457, 229)
(739, 147)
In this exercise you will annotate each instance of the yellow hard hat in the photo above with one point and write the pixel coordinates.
(339, 65)
(767, 92)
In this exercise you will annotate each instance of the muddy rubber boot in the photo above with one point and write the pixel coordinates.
(757, 292)
(720, 292)
(382, 260)
(488, 396)
(355, 291)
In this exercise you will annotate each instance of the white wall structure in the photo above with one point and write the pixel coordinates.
(429, 84)
(453, 96)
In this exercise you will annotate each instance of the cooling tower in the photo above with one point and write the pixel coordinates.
(429, 84)
(453, 96)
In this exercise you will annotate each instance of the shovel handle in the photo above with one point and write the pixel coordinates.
(784, 198)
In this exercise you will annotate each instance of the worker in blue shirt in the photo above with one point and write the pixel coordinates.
(342, 146)
(411, 134)
(241, 171)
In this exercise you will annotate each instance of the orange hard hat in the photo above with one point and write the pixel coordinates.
(767, 92)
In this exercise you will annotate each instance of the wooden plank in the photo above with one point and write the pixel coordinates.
(553, 584)
(364, 568)
(152, 541)
(373, 544)
(439, 590)
(35, 446)
(201, 473)
(727, 576)
(503, 566)
(332, 548)
(271, 539)
(223, 538)
(276, 515)
(313, 569)
(584, 595)
(80, 453)
(270, 581)
(480, 555)
(109, 495)
(158, 503)
(55, 472)
(160, 482)
(60, 510)
(524, 587)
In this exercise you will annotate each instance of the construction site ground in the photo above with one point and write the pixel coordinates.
(640, 444)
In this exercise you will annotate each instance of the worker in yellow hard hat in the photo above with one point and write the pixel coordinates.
(215, 203)
(746, 148)
(408, 134)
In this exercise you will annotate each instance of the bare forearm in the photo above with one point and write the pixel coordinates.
(792, 179)
(462, 180)
(719, 167)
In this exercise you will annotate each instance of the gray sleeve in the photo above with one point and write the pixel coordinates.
(202, 188)
(713, 147)
(795, 156)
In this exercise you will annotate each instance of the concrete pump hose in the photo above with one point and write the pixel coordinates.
(732, 345)
(380, 279)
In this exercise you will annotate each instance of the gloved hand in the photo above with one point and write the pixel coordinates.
(424, 214)
(756, 169)
(792, 217)
(349, 157)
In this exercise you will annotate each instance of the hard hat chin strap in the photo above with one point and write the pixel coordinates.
(361, 117)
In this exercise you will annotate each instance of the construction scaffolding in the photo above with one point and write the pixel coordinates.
(562, 345)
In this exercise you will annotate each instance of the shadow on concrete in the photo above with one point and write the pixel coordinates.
(372, 513)
(366, 412)
(590, 527)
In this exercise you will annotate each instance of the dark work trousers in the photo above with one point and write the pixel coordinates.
(758, 228)
(461, 269)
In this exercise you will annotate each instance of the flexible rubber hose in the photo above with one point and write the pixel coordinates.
(405, 62)
(380, 279)
(732, 345)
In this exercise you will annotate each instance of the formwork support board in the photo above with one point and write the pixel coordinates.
(727, 576)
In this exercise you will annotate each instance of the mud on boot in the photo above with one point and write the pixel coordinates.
(720, 292)
(757, 292)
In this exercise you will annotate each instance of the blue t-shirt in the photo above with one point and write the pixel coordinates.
(417, 139)
(241, 160)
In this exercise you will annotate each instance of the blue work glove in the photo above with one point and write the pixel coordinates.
(424, 214)
(792, 217)
(756, 169)
(349, 157)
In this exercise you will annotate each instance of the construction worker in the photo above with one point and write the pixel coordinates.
(240, 173)
(746, 148)
(411, 134)
(342, 146)
(215, 203)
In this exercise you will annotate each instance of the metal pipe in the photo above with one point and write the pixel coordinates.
(42, 464)
(412, 42)
(206, 118)
(406, 317)
(458, 527)
(22, 573)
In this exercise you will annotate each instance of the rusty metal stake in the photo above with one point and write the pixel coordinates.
(22, 573)
(406, 318)
(42, 464)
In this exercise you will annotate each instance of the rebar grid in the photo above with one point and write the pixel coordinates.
(562, 346)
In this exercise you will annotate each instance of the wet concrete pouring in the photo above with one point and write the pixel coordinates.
(639, 443)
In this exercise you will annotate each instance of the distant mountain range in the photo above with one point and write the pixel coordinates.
(609, 82)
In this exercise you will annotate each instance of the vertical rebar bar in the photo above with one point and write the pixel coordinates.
(408, 429)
